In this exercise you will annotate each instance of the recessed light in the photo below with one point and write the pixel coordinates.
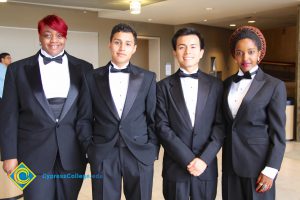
(209, 9)
(251, 21)
(149, 20)
(232, 25)
(205, 20)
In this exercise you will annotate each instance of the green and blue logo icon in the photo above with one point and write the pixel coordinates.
(22, 176)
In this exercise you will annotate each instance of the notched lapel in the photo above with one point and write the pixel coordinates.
(203, 91)
(102, 83)
(134, 85)
(255, 86)
(178, 98)
(225, 99)
(74, 72)
(34, 78)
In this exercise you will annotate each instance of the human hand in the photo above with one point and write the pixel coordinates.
(10, 165)
(196, 167)
(264, 183)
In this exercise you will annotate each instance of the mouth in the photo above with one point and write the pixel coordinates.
(54, 46)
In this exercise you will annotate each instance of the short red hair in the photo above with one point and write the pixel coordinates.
(54, 22)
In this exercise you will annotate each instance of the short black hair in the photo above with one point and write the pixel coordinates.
(187, 31)
(244, 34)
(123, 28)
(3, 55)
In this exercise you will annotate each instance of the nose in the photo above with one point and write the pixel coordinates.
(187, 50)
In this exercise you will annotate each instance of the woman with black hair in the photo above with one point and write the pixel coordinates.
(254, 111)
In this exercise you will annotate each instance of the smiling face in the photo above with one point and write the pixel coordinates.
(188, 52)
(122, 47)
(246, 54)
(52, 41)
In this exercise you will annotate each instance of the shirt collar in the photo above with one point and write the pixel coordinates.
(49, 56)
(186, 72)
(241, 73)
(117, 67)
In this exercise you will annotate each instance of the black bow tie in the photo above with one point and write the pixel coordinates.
(247, 75)
(57, 59)
(125, 70)
(181, 74)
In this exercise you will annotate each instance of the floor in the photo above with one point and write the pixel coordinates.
(288, 182)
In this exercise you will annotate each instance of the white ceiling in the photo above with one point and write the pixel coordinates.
(267, 13)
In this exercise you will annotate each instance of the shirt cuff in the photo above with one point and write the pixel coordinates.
(270, 172)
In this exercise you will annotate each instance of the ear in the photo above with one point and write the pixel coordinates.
(134, 49)
(258, 58)
(174, 53)
(201, 53)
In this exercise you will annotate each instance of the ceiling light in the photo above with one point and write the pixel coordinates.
(135, 7)
(208, 9)
(205, 20)
(251, 21)
(3, 1)
(232, 25)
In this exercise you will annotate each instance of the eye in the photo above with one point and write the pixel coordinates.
(251, 52)
(59, 36)
(128, 44)
(47, 36)
(116, 42)
(238, 53)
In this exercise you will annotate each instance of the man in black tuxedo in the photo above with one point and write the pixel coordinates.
(40, 113)
(124, 143)
(189, 123)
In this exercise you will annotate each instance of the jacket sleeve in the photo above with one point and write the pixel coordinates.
(150, 112)
(277, 119)
(85, 113)
(9, 115)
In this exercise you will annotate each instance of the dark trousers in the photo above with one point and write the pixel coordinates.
(239, 188)
(137, 177)
(194, 189)
(47, 188)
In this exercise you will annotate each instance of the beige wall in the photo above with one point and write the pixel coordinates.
(281, 44)
(216, 39)
(141, 56)
(27, 16)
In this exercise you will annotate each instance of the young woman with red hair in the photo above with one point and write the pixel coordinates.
(40, 124)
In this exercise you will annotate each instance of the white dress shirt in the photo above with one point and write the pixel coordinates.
(190, 92)
(55, 77)
(118, 83)
(235, 97)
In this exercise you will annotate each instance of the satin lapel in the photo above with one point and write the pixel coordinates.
(225, 99)
(178, 98)
(203, 90)
(135, 82)
(102, 82)
(34, 78)
(74, 72)
(256, 84)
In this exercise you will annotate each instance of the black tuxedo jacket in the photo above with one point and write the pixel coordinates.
(256, 137)
(181, 141)
(29, 130)
(136, 126)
